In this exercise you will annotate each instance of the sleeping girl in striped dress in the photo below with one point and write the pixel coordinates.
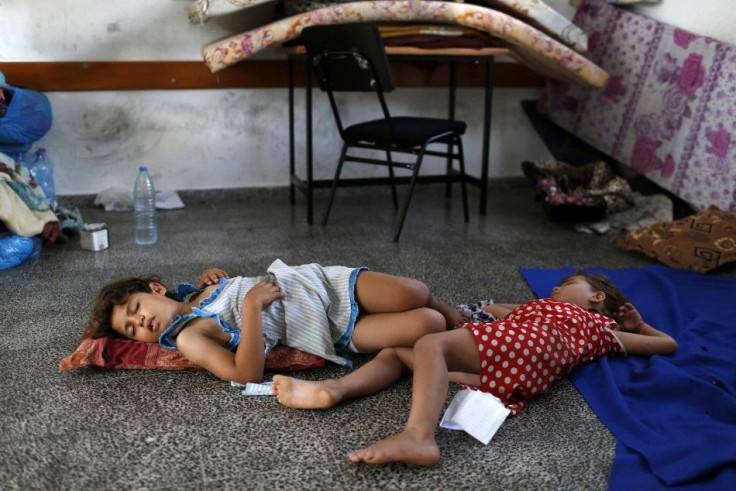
(228, 325)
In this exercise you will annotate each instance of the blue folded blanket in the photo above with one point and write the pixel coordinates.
(674, 416)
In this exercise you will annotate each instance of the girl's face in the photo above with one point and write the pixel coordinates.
(577, 291)
(144, 316)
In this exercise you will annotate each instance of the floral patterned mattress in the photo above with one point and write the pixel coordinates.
(668, 108)
(534, 12)
(527, 44)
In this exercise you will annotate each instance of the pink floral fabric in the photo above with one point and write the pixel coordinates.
(538, 13)
(667, 109)
(529, 45)
(534, 12)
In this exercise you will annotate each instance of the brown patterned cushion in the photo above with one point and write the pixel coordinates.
(124, 354)
(700, 242)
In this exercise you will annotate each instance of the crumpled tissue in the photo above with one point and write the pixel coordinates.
(115, 198)
(120, 198)
(479, 414)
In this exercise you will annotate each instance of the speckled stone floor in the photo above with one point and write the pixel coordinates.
(172, 430)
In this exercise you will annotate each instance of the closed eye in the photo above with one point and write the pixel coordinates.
(130, 327)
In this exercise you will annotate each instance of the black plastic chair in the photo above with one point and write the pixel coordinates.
(352, 58)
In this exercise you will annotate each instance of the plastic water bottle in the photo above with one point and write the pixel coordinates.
(42, 171)
(144, 209)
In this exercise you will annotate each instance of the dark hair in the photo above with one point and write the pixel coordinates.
(615, 298)
(116, 293)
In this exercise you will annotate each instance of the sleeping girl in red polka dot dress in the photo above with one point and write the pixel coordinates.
(515, 358)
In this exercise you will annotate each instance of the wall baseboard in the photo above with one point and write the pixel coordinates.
(69, 76)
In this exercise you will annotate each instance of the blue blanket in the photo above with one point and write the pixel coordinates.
(674, 416)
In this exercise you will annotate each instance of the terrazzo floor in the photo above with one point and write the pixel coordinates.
(99, 430)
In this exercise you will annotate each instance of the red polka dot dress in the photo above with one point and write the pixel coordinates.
(535, 345)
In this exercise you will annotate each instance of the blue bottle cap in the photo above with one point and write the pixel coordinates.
(143, 168)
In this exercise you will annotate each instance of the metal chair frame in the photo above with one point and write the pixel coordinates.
(321, 59)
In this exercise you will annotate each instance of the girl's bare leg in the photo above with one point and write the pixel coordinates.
(382, 371)
(434, 355)
(374, 332)
(407, 358)
(381, 292)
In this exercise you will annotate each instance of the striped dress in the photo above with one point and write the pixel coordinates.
(317, 316)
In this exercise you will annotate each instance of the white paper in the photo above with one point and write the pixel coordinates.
(168, 199)
(477, 413)
(251, 389)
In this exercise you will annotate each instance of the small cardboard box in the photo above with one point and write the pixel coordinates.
(94, 237)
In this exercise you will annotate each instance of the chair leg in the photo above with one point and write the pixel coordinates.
(391, 177)
(334, 183)
(463, 186)
(448, 170)
(407, 200)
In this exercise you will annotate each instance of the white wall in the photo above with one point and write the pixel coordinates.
(92, 30)
(238, 138)
(714, 18)
(207, 139)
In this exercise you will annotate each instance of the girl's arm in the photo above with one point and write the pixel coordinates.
(197, 345)
(250, 358)
(500, 310)
(638, 337)
(248, 361)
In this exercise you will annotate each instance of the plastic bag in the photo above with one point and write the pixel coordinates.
(14, 249)
(116, 198)
(27, 119)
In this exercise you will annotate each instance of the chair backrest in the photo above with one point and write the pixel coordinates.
(348, 58)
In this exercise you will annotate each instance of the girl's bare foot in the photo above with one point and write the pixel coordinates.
(407, 446)
(304, 394)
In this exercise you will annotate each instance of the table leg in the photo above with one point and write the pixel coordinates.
(451, 116)
(308, 103)
(485, 162)
(292, 166)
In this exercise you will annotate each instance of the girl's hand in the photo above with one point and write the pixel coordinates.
(261, 295)
(629, 318)
(210, 277)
